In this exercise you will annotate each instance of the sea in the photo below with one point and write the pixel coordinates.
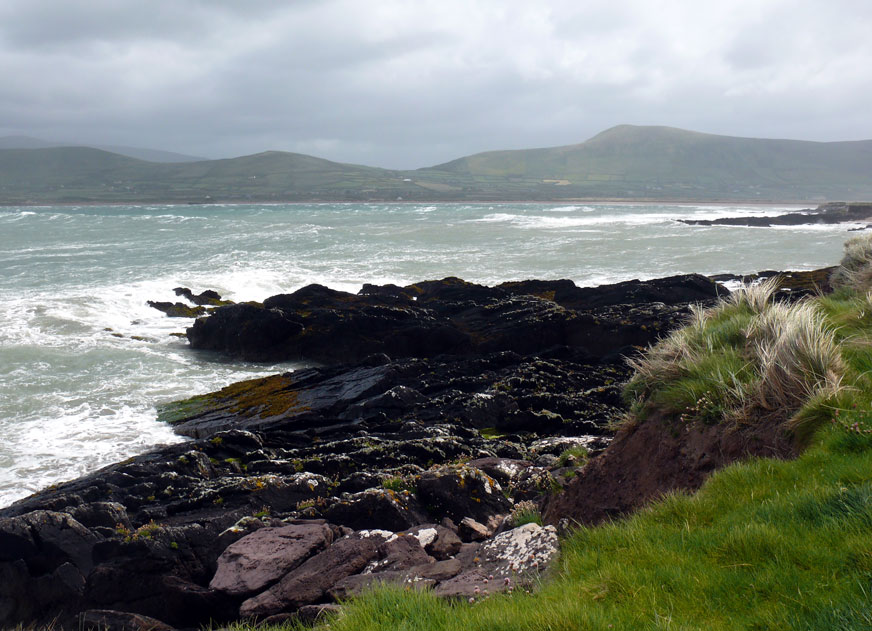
(84, 361)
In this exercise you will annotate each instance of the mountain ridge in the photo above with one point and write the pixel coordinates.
(141, 153)
(625, 162)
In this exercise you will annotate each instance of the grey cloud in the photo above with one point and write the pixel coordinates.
(399, 84)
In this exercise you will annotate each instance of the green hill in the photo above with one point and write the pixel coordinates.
(140, 153)
(80, 174)
(624, 162)
(630, 161)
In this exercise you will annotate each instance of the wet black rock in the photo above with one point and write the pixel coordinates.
(449, 316)
(177, 309)
(831, 213)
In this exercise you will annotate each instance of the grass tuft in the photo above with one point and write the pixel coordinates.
(746, 358)
(855, 269)
(525, 512)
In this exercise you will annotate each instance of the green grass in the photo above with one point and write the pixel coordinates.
(526, 512)
(746, 358)
(574, 456)
(400, 483)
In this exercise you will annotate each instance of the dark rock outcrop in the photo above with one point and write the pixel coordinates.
(462, 491)
(831, 213)
(177, 309)
(449, 316)
(309, 582)
(108, 620)
(791, 285)
(265, 556)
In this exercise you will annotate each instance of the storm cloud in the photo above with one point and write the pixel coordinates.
(407, 84)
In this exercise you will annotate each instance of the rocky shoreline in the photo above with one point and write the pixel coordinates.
(442, 417)
(831, 213)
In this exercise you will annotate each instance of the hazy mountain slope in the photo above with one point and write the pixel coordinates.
(140, 153)
(652, 159)
(80, 174)
(624, 162)
(151, 155)
(23, 142)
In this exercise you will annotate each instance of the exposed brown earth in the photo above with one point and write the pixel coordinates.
(648, 459)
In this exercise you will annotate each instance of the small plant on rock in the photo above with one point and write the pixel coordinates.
(398, 484)
(526, 512)
(573, 457)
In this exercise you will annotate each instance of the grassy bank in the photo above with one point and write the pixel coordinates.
(765, 543)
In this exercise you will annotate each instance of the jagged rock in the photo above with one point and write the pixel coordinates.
(357, 583)
(471, 530)
(449, 316)
(260, 559)
(791, 285)
(377, 508)
(316, 613)
(520, 551)
(284, 493)
(438, 571)
(535, 484)
(208, 297)
(310, 581)
(248, 331)
(268, 451)
(506, 471)
(470, 584)
(512, 558)
(108, 620)
(25, 598)
(45, 540)
(177, 309)
(830, 213)
(422, 576)
(669, 290)
(268, 402)
(438, 541)
(190, 604)
(400, 553)
(461, 491)
(105, 514)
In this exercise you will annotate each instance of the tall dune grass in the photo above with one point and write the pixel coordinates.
(855, 269)
(747, 357)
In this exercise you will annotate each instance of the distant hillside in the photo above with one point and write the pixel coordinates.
(152, 155)
(81, 174)
(630, 161)
(624, 162)
(23, 142)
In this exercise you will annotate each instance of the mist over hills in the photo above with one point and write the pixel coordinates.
(624, 163)
(152, 155)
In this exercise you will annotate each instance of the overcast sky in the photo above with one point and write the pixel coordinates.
(411, 83)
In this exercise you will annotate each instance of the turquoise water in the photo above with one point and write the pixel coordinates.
(77, 392)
